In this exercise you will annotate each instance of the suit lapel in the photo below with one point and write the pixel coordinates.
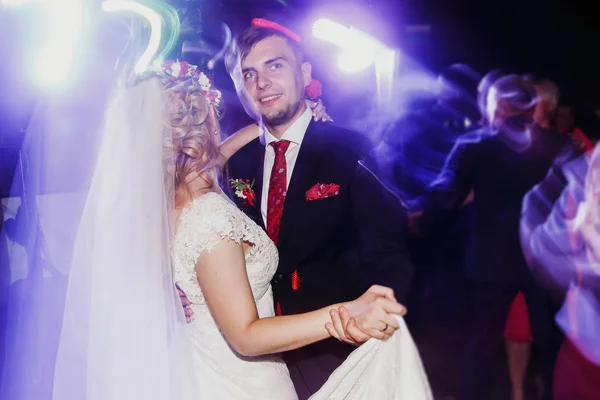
(303, 176)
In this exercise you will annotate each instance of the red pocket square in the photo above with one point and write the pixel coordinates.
(322, 191)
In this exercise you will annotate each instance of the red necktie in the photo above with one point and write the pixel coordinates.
(276, 199)
(277, 189)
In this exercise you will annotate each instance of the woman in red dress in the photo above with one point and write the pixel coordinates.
(518, 338)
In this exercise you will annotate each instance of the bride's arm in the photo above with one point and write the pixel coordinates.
(236, 141)
(224, 282)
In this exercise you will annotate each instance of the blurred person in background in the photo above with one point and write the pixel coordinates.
(561, 241)
(499, 163)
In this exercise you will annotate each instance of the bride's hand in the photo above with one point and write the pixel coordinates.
(371, 315)
(319, 111)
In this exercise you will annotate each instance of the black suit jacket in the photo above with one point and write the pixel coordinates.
(339, 245)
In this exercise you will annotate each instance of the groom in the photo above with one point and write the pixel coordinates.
(337, 230)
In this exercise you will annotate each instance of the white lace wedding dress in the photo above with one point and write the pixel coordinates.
(376, 370)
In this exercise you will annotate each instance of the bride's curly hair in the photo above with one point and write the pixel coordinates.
(192, 138)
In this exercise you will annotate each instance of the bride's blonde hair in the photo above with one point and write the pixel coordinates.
(192, 138)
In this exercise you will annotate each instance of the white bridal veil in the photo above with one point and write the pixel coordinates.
(92, 312)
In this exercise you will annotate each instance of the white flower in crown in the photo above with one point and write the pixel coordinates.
(203, 81)
(176, 69)
(156, 67)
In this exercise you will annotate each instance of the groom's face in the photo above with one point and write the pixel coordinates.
(274, 80)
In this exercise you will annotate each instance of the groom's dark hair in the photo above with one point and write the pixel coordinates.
(249, 37)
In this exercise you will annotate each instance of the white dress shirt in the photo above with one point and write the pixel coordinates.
(295, 134)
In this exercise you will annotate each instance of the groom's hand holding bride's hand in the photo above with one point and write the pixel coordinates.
(371, 315)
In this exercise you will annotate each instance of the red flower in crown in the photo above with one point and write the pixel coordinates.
(314, 90)
(185, 67)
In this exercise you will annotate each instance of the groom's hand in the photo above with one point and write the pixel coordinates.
(186, 305)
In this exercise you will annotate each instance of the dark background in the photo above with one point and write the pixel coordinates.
(553, 38)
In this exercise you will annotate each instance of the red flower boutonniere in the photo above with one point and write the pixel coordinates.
(314, 90)
(244, 190)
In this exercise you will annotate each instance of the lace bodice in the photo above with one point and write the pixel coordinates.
(221, 372)
(201, 225)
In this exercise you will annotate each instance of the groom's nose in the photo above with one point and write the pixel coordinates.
(263, 82)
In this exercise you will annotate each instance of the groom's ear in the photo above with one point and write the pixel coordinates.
(306, 69)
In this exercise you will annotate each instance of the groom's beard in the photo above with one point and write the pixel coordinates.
(283, 116)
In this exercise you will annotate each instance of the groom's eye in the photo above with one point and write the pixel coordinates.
(275, 66)
(248, 76)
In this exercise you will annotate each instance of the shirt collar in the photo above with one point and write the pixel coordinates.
(295, 133)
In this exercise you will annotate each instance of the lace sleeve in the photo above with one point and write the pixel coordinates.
(205, 223)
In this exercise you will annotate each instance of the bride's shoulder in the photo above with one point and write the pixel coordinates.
(212, 213)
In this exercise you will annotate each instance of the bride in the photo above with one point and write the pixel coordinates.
(155, 216)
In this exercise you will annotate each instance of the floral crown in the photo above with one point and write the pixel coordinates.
(184, 71)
